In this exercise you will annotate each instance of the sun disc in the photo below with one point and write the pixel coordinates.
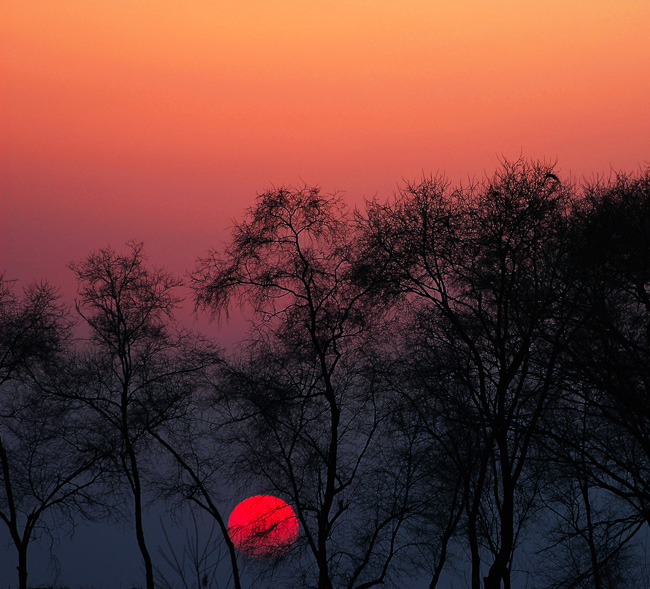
(263, 527)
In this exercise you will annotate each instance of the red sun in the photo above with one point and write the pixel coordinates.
(263, 527)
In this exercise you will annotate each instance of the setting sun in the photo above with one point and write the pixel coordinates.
(263, 526)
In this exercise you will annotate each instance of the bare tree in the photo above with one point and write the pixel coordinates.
(612, 357)
(307, 405)
(47, 468)
(35, 328)
(609, 357)
(140, 372)
(481, 267)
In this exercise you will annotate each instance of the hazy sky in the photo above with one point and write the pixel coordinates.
(161, 120)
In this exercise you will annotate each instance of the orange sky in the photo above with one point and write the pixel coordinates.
(160, 120)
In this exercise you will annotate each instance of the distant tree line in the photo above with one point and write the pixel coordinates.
(456, 380)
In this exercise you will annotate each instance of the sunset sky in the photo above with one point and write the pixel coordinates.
(161, 120)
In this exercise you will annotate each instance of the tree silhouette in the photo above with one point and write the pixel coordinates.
(481, 267)
(609, 357)
(303, 393)
(47, 468)
(139, 373)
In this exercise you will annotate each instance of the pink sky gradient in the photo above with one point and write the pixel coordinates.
(160, 121)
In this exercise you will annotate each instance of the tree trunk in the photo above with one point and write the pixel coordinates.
(139, 527)
(499, 571)
(136, 488)
(593, 553)
(22, 565)
(476, 558)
